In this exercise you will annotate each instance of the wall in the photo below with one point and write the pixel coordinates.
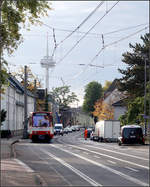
(118, 111)
(13, 103)
(85, 120)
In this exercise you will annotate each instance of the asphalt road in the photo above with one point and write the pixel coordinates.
(70, 160)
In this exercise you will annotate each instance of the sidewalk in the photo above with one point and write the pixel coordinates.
(13, 172)
(6, 148)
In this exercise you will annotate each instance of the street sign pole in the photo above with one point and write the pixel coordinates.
(25, 104)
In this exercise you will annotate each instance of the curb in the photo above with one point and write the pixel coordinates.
(12, 152)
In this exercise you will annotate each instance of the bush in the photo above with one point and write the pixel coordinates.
(3, 115)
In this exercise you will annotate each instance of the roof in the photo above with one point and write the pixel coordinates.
(119, 103)
(131, 126)
(20, 88)
(112, 86)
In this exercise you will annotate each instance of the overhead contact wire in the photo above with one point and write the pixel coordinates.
(106, 47)
(87, 33)
(82, 22)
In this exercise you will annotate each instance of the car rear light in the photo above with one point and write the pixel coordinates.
(143, 140)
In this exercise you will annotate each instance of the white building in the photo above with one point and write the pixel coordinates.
(13, 102)
(115, 98)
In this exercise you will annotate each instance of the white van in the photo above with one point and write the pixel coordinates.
(107, 130)
(58, 129)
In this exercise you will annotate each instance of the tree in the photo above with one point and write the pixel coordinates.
(133, 76)
(103, 111)
(13, 13)
(106, 85)
(19, 75)
(63, 97)
(16, 12)
(93, 92)
(135, 111)
(3, 115)
(3, 77)
(133, 79)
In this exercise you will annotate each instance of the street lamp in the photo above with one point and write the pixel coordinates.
(144, 56)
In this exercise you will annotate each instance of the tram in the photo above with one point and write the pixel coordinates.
(41, 126)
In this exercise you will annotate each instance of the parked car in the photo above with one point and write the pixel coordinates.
(73, 128)
(58, 129)
(131, 134)
(77, 128)
(69, 129)
(66, 130)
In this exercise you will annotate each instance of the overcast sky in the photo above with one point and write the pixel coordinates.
(128, 16)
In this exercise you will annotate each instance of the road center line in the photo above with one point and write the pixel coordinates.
(132, 169)
(124, 154)
(111, 157)
(86, 153)
(82, 175)
(97, 156)
(111, 161)
(127, 177)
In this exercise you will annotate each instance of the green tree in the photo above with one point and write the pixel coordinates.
(93, 92)
(19, 75)
(14, 14)
(17, 12)
(106, 85)
(3, 115)
(63, 96)
(132, 81)
(135, 111)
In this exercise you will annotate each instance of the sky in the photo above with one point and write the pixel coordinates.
(126, 17)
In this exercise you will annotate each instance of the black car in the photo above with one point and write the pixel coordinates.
(131, 134)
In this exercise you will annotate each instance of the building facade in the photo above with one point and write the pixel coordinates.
(115, 98)
(13, 102)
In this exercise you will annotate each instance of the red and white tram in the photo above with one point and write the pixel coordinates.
(41, 126)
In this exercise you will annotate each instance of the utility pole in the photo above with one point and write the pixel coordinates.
(46, 100)
(25, 104)
(0, 58)
(35, 96)
(145, 77)
(149, 103)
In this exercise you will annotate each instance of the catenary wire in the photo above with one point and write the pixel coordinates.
(110, 44)
(101, 3)
(86, 33)
(56, 45)
(96, 34)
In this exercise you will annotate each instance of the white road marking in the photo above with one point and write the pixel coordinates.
(97, 156)
(132, 169)
(127, 177)
(86, 153)
(26, 167)
(124, 154)
(111, 162)
(82, 175)
(111, 157)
